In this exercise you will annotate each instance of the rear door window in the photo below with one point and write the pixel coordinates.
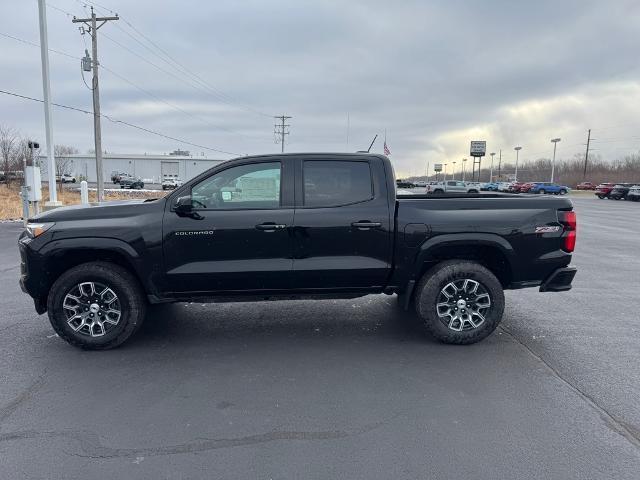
(335, 183)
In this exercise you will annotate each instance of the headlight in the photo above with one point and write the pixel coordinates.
(36, 229)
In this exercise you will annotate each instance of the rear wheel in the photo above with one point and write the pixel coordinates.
(563, 192)
(601, 197)
(459, 302)
(96, 306)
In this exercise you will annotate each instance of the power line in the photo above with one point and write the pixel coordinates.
(33, 44)
(173, 63)
(124, 79)
(115, 120)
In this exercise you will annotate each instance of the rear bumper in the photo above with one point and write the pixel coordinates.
(560, 280)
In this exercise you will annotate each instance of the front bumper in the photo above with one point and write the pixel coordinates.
(560, 280)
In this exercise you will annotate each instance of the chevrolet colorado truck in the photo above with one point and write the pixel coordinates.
(295, 226)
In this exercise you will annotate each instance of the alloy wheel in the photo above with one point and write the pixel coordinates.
(463, 304)
(92, 309)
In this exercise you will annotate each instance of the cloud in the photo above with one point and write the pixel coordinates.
(435, 75)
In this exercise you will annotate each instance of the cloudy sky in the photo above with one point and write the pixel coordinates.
(434, 74)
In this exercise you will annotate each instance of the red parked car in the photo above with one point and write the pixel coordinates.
(515, 187)
(585, 186)
(604, 190)
(525, 187)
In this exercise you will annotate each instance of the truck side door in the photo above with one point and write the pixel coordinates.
(238, 238)
(343, 223)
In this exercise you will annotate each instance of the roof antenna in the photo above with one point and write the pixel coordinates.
(372, 142)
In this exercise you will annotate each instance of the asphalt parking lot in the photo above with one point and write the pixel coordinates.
(338, 389)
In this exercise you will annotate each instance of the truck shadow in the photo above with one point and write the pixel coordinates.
(372, 317)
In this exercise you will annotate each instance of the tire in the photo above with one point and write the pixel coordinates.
(601, 197)
(73, 181)
(438, 192)
(430, 291)
(129, 302)
(563, 192)
(472, 191)
(542, 191)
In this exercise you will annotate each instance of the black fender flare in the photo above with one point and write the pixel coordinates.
(462, 239)
(57, 247)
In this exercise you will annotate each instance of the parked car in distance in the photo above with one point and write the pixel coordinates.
(634, 193)
(66, 178)
(131, 182)
(514, 187)
(586, 186)
(249, 229)
(171, 183)
(489, 187)
(548, 187)
(526, 187)
(504, 186)
(116, 175)
(603, 190)
(619, 191)
(421, 183)
(404, 184)
(453, 186)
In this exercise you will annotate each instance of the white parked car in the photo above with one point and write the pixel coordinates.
(634, 193)
(453, 186)
(66, 178)
(171, 183)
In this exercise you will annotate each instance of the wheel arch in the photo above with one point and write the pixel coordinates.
(489, 250)
(62, 255)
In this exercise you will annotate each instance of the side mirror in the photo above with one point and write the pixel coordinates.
(183, 206)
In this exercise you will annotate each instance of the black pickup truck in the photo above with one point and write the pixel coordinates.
(295, 226)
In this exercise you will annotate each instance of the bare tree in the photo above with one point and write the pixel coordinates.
(64, 163)
(8, 147)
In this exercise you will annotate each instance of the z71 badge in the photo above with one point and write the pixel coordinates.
(547, 229)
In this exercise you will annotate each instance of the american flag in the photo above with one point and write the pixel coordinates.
(386, 149)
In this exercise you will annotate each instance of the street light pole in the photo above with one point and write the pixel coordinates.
(553, 162)
(517, 149)
(46, 88)
(445, 172)
(464, 160)
(454, 171)
(493, 154)
(499, 164)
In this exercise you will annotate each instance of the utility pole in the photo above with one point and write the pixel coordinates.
(46, 88)
(586, 156)
(553, 162)
(493, 154)
(280, 129)
(97, 133)
(464, 161)
(499, 164)
(517, 149)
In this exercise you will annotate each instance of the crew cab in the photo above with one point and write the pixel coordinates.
(295, 226)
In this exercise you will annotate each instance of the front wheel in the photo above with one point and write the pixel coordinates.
(460, 302)
(542, 191)
(96, 306)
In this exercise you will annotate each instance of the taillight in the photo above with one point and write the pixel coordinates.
(568, 220)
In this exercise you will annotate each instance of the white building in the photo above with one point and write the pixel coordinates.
(151, 168)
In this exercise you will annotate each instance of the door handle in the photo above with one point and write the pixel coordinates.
(366, 225)
(270, 227)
